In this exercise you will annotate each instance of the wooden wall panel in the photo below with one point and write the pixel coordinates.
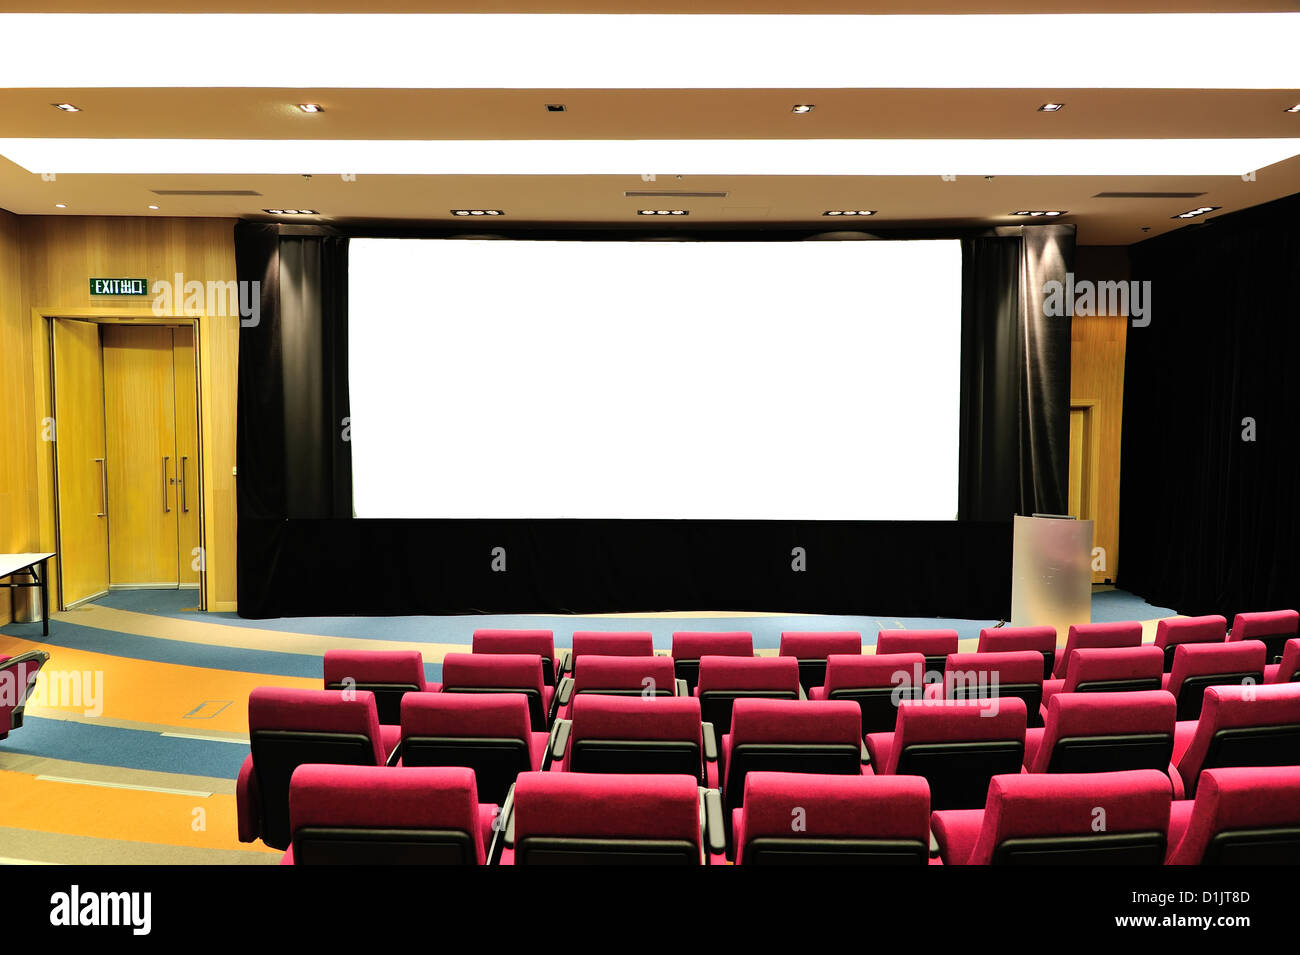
(59, 255)
(1097, 374)
(18, 430)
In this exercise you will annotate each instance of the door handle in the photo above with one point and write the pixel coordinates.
(167, 508)
(103, 488)
(185, 499)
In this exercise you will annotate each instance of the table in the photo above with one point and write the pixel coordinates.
(12, 564)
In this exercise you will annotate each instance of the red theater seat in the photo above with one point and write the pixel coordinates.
(1094, 636)
(634, 734)
(1289, 669)
(1104, 732)
(1109, 670)
(934, 645)
(1240, 726)
(1197, 666)
(876, 683)
(982, 676)
(1004, 639)
(1273, 628)
(811, 819)
(289, 728)
(389, 674)
(1064, 819)
(618, 676)
(541, 642)
(792, 736)
(690, 645)
(490, 733)
(501, 673)
(1173, 631)
(957, 745)
(594, 819)
(1245, 816)
(723, 680)
(811, 648)
(611, 643)
(17, 679)
(377, 815)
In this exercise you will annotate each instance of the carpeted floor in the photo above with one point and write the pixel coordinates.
(135, 761)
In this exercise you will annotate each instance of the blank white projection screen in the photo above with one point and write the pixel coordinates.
(679, 380)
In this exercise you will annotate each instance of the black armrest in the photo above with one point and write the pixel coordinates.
(714, 832)
(564, 691)
(710, 742)
(559, 738)
(682, 688)
(395, 755)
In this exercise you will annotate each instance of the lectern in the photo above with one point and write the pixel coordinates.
(1051, 572)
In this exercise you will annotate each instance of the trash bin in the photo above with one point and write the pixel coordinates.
(26, 603)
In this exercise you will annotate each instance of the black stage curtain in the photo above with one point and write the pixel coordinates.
(1015, 417)
(1209, 521)
(301, 553)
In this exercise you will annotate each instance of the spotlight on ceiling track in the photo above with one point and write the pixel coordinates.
(1193, 213)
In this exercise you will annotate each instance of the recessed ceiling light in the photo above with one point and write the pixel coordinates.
(1038, 212)
(477, 212)
(153, 205)
(849, 212)
(60, 205)
(662, 212)
(291, 212)
(1051, 107)
(67, 107)
(1294, 109)
(555, 107)
(803, 108)
(311, 107)
(1193, 213)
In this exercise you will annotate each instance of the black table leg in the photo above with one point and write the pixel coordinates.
(45, 598)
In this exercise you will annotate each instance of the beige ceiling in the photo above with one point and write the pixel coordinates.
(751, 201)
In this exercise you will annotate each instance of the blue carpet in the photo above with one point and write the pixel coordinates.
(129, 749)
(1109, 606)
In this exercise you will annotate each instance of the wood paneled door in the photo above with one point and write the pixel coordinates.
(80, 461)
(151, 424)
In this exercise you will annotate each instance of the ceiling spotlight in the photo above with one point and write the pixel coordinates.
(1291, 109)
(849, 212)
(1051, 107)
(311, 107)
(803, 108)
(663, 212)
(1193, 213)
(153, 205)
(477, 212)
(67, 107)
(1038, 212)
(291, 212)
(60, 205)
(555, 107)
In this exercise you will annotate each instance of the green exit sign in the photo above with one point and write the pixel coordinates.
(119, 286)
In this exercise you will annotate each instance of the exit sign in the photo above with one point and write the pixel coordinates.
(119, 286)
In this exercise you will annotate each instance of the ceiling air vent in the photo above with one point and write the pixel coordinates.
(205, 192)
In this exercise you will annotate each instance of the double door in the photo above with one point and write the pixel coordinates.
(126, 457)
